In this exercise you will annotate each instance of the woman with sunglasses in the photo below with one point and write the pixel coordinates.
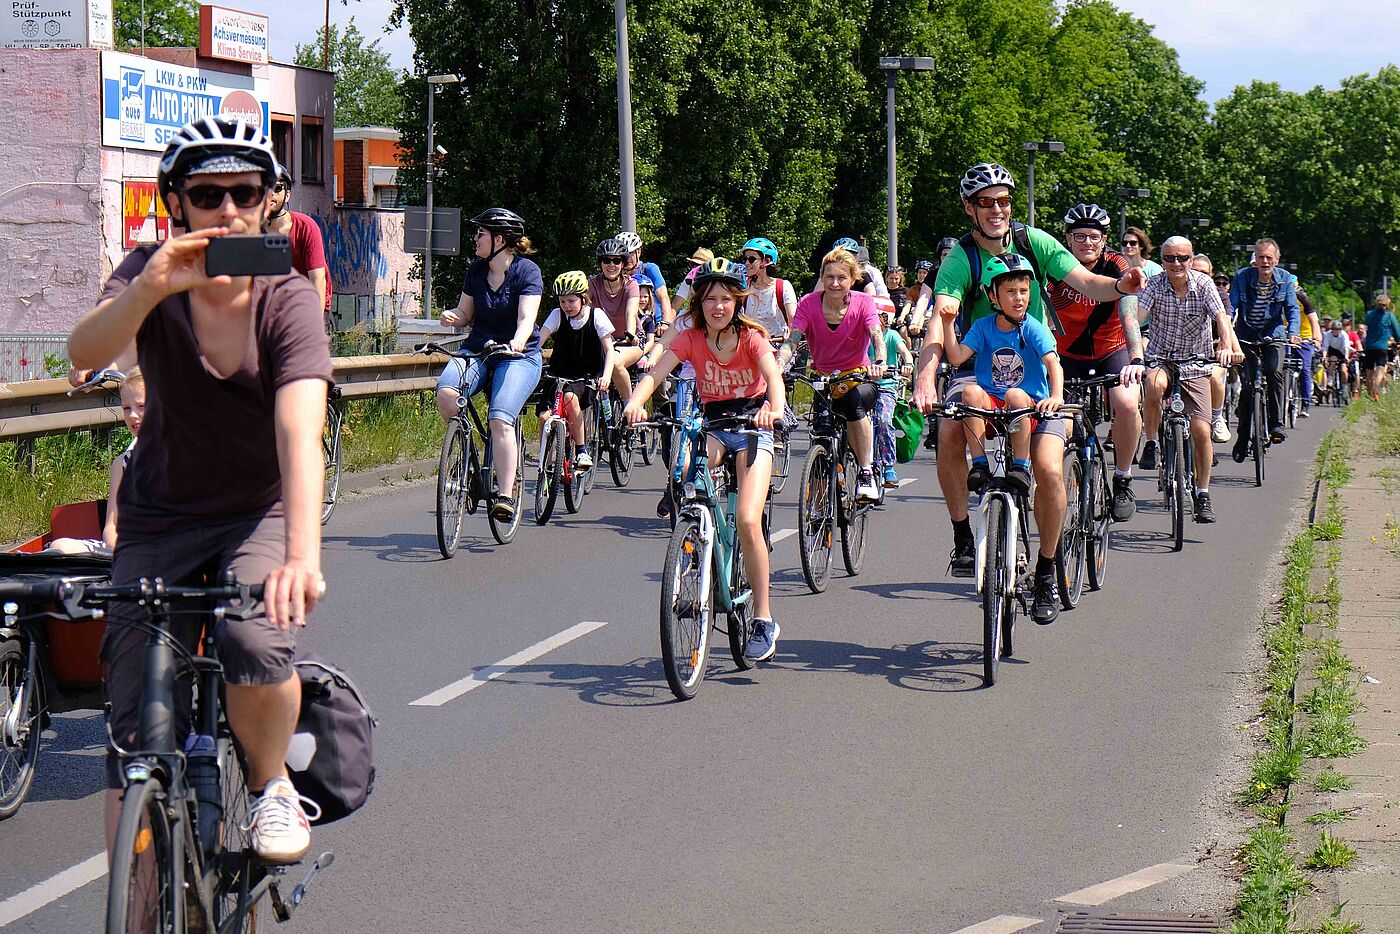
(619, 295)
(308, 250)
(500, 300)
(772, 301)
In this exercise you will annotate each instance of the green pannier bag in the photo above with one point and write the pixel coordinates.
(908, 431)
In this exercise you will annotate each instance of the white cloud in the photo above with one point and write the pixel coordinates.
(298, 23)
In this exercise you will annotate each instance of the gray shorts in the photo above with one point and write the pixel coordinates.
(1054, 427)
(1195, 395)
(252, 651)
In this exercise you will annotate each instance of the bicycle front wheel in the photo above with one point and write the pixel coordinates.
(451, 487)
(1101, 527)
(234, 872)
(1260, 438)
(334, 458)
(685, 619)
(853, 516)
(814, 518)
(1069, 558)
(994, 585)
(546, 489)
(739, 622)
(145, 890)
(620, 456)
(782, 455)
(21, 703)
(503, 530)
(1177, 487)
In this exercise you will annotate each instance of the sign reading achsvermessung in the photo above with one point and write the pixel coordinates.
(233, 35)
(144, 102)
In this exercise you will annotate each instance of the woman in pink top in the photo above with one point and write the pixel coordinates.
(735, 374)
(840, 325)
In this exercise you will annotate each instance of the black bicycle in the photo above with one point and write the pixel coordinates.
(827, 502)
(332, 455)
(465, 478)
(1084, 540)
(181, 859)
(1258, 390)
(1176, 479)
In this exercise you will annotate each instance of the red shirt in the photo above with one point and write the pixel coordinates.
(308, 249)
(1093, 329)
(740, 378)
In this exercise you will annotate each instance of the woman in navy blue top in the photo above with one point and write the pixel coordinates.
(500, 301)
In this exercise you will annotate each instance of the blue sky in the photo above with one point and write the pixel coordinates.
(1297, 43)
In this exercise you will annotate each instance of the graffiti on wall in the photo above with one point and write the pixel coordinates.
(356, 252)
(144, 218)
(370, 272)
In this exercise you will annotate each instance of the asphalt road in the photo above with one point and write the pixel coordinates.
(863, 780)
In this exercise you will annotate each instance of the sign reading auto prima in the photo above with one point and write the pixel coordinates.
(233, 35)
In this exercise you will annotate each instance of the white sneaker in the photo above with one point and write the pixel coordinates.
(278, 827)
(866, 488)
(1219, 431)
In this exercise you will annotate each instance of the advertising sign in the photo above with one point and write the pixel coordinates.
(56, 24)
(144, 102)
(233, 35)
(144, 218)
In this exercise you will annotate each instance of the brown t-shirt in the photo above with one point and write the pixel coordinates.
(208, 445)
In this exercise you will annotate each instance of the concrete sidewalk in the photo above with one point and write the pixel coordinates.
(1368, 630)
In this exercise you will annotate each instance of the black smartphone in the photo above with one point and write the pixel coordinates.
(249, 255)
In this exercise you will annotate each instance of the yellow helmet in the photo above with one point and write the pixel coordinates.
(572, 282)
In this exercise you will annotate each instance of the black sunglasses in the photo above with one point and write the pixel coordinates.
(611, 260)
(209, 197)
(751, 258)
(1183, 258)
(1130, 243)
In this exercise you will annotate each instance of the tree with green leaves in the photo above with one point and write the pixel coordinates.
(169, 23)
(366, 87)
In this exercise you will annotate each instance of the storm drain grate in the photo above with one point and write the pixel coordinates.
(1117, 922)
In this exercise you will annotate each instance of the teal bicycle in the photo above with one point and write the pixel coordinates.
(703, 578)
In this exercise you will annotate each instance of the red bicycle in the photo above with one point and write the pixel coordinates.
(557, 470)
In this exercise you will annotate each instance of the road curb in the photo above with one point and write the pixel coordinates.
(391, 475)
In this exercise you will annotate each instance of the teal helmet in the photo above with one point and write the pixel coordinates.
(1006, 264)
(846, 243)
(764, 246)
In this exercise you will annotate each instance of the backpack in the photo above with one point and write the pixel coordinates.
(1021, 238)
(331, 756)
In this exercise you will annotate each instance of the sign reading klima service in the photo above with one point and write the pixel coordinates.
(144, 102)
(233, 35)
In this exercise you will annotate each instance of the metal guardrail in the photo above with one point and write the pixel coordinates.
(39, 407)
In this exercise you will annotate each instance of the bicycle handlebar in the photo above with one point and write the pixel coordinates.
(99, 380)
(492, 349)
(1089, 382)
(1154, 360)
(76, 597)
(959, 411)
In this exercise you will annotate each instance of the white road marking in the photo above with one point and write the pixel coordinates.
(1132, 882)
(1001, 924)
(52, 889)
(781, 534)
(489, 673)
(906, 481)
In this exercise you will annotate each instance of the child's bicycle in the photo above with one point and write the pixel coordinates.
(557, 468)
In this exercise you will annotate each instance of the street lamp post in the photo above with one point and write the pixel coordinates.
(1194, 223)
(1031, 149)
(624, 119)
(1123, 195)
(433, 82)
(892, 65)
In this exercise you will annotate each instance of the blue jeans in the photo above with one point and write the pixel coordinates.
(1305, 350)
(512, 381)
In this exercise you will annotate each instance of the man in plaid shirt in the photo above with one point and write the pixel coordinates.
(1182, 304)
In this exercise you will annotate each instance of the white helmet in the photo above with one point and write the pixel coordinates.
(631, 241)
(984, 175)
(216, 144)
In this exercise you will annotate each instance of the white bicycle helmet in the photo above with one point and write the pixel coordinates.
(216, 145)
(1088, 216)
(631, 241)
(984, 175)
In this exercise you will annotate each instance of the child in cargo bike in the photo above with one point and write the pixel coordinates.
(582, 353)
(1016, 366)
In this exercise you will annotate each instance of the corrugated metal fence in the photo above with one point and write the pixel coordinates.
(22, 356)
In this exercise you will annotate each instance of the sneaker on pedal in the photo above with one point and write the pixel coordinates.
(1277, 435)
(503, 510)
(978, 476)
(1219, 431)
(279, 830)
(962, 562)
(1204, 513)
(891, 478)
(1019, 479)
(1240, 450)
(763, 641)
(1148, 458)
(1124, 501)
(583, 460)
(866, 490)
(1305, 412)
(664, 506)
(1045, 602)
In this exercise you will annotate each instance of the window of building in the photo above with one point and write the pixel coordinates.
(313, 167)
(282, 139)
(386, 197)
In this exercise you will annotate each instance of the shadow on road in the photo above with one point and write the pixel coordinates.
(642, 527)
(917, 590)
(1142, 542)
(923, 666)
(72, 759)
(413, 547)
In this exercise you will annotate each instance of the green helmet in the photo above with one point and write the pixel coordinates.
(1006, 264)
(572, 282)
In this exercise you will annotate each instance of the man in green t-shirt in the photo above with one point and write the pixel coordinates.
(986, 196)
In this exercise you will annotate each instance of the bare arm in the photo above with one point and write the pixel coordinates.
(109, 527)
(294, 587)
(631, 315)
(318, 278)
(777, 396)
(647, 385)
(609, 361)
(789, 348)
(664, 298)
(525, 322)
(462, 315)
(1090, 285)
(1132, 330)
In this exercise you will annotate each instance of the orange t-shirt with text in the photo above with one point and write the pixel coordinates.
(740, 378)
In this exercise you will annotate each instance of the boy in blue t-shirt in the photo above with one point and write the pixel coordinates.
(1016, 367)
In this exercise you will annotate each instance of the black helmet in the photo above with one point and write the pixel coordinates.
(947, 243)
(502, 221)
(923, 264)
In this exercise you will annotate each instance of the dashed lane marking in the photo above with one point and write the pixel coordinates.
(906, 481)
(489, 673)
(1132, 882)
(781, 534)
(52, 889)
(1001, 924)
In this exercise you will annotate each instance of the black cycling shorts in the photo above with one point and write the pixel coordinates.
(858, 402)
(1080, 369)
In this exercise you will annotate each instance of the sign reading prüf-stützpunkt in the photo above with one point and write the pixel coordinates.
(56, 24)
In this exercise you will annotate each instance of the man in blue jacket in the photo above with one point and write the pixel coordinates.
(1266, 307)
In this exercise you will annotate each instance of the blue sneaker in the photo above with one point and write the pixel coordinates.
(891, 478)
(763, 642)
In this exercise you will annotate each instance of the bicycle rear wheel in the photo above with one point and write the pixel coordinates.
(572, 482)
(145, 888)
(546, 489)
(648, 440)
(740, 622)
(334, 457)
(1177, 487)
(451, 487)
(782, 455)
(994, 573)
(1101, 524)
(685, 620)
(1069, 558)
(503, 530)
(853, 516)
(21, 704)
(814, 518)
(620, 457)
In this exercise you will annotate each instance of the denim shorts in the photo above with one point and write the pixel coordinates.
(512, 381)
(1055, 427)
(736, 442)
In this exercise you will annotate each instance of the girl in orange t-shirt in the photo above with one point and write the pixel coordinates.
(735, 371)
